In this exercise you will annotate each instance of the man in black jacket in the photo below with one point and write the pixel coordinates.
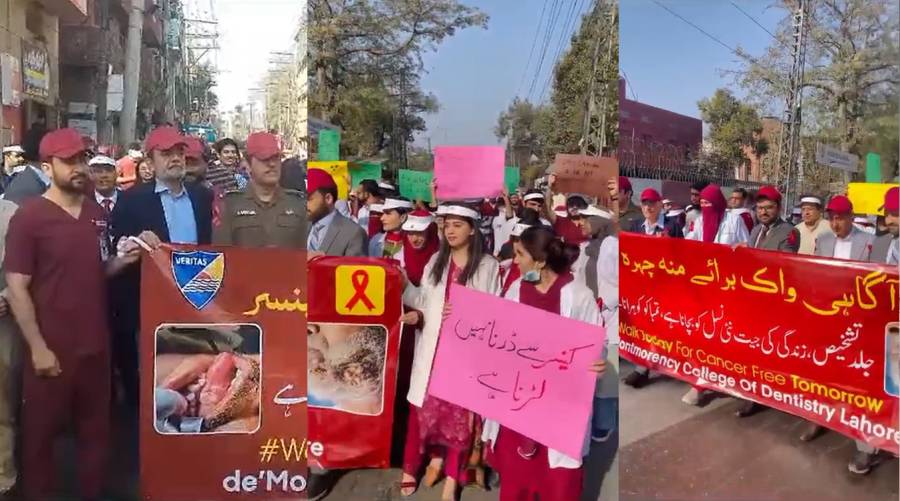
(177, 212)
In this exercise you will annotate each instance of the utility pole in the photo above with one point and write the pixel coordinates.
(789, 144)
(103, 136)
(132, 72)
(593, 138)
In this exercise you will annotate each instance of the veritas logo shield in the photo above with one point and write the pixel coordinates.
(198, 275)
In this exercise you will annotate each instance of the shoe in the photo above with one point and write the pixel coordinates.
(637, 379)
(318, 487)
(862, 463)
(748, 408)
(813, 431)
(601, 435)
(692, 397)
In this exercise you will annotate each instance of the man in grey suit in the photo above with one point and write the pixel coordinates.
(772, 232)
(330, 233)
(846, 240)
(884, 250)
(29, 179)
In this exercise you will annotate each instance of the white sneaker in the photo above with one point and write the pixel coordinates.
(692, 397)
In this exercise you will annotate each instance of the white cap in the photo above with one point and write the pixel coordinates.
(518, 229)
(595, 211)
(675, 213)
(376, 208)
(458, 210)
(13, 149)
(417, 223)
(101, 160)
(862, 220)
(666, 201)
(386, 186)
(136, 154)
(396, 203)
(533, 196)
(811, 200)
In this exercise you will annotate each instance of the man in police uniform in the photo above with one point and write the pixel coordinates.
(263, 214)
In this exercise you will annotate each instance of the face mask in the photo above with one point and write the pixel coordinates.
(532, 276)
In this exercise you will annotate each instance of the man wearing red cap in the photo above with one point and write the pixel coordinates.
(654, 221)
(57, 259)
(884, 249)
(846, 241)
(195, 165)
(263, 214)
(772, 232)
(330, 233)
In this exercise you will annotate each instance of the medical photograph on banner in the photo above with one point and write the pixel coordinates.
(346, 367)
(207, 378)
(353, 340)
(223, 375)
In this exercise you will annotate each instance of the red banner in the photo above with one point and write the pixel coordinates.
(811, 336)
(354, 342)
(223, 375)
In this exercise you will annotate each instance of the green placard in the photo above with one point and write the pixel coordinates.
(873, 168)
(362, 171)
(415, 185)
(512, 178)
(329, 145)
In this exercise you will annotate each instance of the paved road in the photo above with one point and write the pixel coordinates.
(674, 452)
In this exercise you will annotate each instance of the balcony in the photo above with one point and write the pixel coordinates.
(66, 10)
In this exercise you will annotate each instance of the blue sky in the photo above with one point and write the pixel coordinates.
(476, 73)
(672, 65)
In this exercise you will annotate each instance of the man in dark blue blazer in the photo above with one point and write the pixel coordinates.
(654, 221)
(177, 212)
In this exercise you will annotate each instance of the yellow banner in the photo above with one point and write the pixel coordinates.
(338, 171)
(868, 198)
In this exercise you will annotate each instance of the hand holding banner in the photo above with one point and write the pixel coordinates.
(499, 359)
(468, 171)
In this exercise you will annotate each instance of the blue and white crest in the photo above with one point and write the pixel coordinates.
(198, 275)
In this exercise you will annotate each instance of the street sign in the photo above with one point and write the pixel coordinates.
(835, 158)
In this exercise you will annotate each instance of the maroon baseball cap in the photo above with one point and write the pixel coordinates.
(164, 138)
(318, 178)
(839, 204)
(769, 193)
(194, 148)
(892, 200)
(61, 143)
(624, 184)
(262, 145)
(650, 195)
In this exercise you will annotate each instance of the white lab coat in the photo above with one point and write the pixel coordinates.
(429, 299)
(576, 302)
(608, 288)
(732, 230)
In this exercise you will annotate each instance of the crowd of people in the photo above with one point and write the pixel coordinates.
(74, 223)
(561, 258)
(828, 227)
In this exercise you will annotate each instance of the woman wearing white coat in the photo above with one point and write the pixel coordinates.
(529, 470)
(436, 425)
(715, 225)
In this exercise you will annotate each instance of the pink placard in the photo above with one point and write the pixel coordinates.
(468, 171)
(520, 366)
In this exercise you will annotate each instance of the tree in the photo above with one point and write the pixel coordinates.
(734, 127)
(564, 122)
(520, 125)
(852, 50)
(365, 57)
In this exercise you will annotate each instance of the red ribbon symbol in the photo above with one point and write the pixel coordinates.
(360, 281)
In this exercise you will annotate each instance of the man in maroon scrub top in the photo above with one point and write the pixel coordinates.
(57, 260)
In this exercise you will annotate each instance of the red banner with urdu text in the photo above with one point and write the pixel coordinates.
(815, 337)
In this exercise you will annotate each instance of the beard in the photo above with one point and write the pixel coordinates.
(73, 185)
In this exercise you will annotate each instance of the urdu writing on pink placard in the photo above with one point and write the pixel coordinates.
(520, 366)
(468, 171)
